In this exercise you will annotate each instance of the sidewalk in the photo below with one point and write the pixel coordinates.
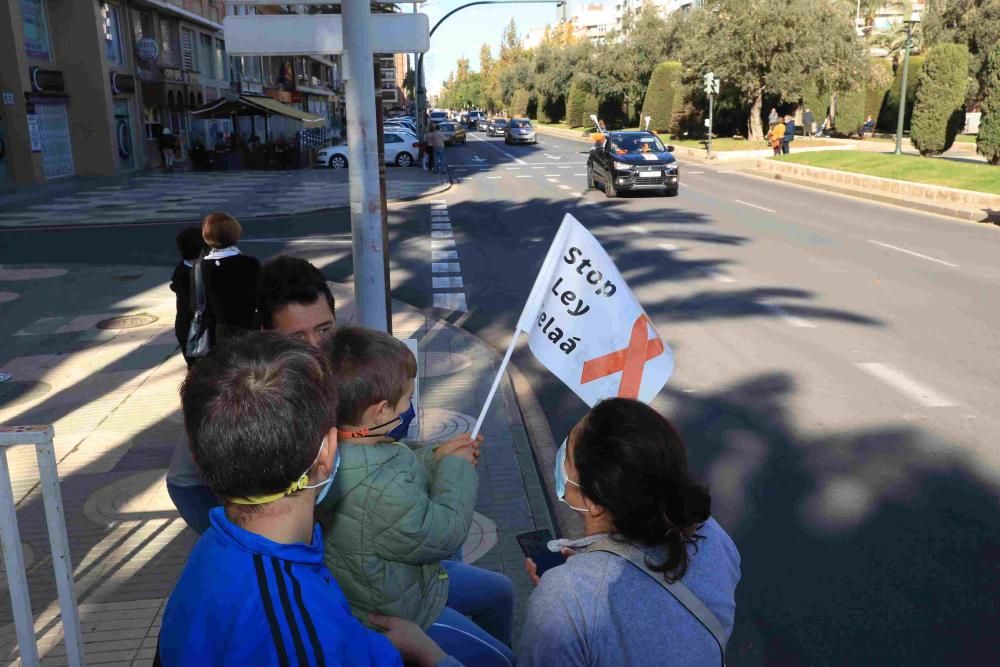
(112, 397)
(188, 196)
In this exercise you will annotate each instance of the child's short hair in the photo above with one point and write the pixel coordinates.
(220, 230)
(286, 280)
(368, 366)
(190, 243)
(256, 411)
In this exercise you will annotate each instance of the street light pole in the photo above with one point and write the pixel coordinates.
(421, 91)
(912, 21)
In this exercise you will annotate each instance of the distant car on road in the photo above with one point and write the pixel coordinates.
(628, 161)
(472, 119)
(400, 149)
(453, 133)
(483, 124)
(497, 127)
(438, 116)
(520, 131)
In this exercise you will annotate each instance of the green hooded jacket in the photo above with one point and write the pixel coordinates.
(392, 516)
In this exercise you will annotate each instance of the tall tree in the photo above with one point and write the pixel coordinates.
(762, 47)
(988, 141)
(975, 23)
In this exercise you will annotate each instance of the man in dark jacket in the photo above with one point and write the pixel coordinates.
(808, 121)
(789, 134)
(190, 245)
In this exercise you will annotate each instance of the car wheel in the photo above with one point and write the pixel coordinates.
(338, 162)
(609, 189)
(671, 192)
(404, 159)
(590, 178)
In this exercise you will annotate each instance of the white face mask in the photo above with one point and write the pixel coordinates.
(561, 478)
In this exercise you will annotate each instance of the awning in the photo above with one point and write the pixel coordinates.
(246, 105)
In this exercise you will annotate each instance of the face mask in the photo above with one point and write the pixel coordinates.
(298, 485)
(405, 419)
(328, 484)
(561, 478)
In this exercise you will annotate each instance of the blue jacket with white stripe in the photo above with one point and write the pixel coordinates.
(245, 600)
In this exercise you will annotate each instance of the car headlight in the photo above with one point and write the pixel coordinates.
(623, 166)
(671, 168)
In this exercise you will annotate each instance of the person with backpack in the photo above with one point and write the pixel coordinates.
(653, 582)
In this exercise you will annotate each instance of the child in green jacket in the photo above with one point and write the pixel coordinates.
(395, 515)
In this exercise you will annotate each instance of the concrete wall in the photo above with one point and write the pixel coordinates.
(22, 166)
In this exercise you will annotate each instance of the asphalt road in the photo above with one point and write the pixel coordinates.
(836, 377)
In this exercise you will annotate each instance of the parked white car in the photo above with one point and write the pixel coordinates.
(401, 149)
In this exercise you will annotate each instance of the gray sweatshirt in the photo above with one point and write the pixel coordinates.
(599, 610)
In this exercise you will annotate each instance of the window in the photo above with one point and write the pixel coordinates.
(113, 34)
(189, 61)
(392, 139)
(250, 66)
(152, 123)
(221, 70)
(143, 25)
(36, 30)
(206, 58)
(168, 47)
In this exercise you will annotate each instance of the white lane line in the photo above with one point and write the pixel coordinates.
(583, 174)
(451, 301)
(511, 168)
(498, 150)
(522, 176)
(552, 180)
(638, 229)
(437, 255)
(442, 244)
(441, 226)
(746, 203)
(552, 157)
(668, 246)
(915, 254)
(786, 316)
(493, 178)
(441, 234)
(445, 282)
(694, 172)
(553, 175)
(905, 385)
(446, 267)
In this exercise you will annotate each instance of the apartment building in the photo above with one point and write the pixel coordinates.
(391, 71)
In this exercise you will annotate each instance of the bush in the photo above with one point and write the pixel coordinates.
(879, 83)
(519, 103)
(988, 143)
(890, 113)
(661, 97)
(612, 110)
(575, 103)
(551, 110)
(817, 102)
(591, 105)
(850, 111)
(939, 111)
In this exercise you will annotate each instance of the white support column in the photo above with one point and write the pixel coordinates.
(17, 580)
(362, 142)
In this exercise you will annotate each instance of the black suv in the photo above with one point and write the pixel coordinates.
(633, 161)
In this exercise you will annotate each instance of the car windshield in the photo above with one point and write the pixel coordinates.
(521, 123)
(499, 121)
(447, 127)
(636, 143)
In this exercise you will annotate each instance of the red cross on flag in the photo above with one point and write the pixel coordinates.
(585, 325)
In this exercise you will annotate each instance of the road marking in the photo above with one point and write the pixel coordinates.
(553, 175)
(638, 229)
(583, 174)
(720, 277)
(441, 234)
(538, 167)
(523, 176)
(746, 203)
(565, 166)
(552, 157)
(451, 301)
(445, 282)
(459, 169)
(441, 226)
(493, 177)
(694, 172)
(476, 158)
(552, 180)
(511, 168)
(668, 246)
(446, 267)
(565, 187)
(498, 150)
(786, 316)
(915, 254)
(905, 385)
(441, 244)
(444, 254)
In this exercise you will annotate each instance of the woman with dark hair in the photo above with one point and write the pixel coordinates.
(653, 581)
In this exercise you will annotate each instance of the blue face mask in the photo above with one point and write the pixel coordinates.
(403, 428)
(561, 478)
(329, 480)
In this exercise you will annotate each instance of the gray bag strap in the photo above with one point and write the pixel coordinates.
(681, 593)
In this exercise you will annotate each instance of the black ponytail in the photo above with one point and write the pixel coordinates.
(632, 462)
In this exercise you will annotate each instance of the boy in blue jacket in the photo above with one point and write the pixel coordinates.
(260, 412)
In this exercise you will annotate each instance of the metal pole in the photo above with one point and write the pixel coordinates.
(902, 90)
(17, 580)
(416, 102)
(711, 121)
(362, 142)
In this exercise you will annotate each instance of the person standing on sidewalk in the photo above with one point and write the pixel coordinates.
(168, 146)
(260, 412)
(191, 246)
(428, 148)
(789, 135)
(808, 122)
(647, 526)
(230, 278)
(437, 141)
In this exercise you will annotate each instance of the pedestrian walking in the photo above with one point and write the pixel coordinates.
(789, 135)
(168, 147)
(649, 537)
(437, 141)
(230, 278)
(428, 148)
(808, 122)
(775, 137)
(773, 117)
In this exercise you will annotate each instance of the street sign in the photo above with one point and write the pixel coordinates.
(309, 34)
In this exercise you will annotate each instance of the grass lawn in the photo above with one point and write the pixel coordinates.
(722, 144)
(980, 177)
(960, 139)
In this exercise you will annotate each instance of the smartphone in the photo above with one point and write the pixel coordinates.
(535, 546)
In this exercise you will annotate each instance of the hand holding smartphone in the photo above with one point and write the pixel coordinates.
(535, 546)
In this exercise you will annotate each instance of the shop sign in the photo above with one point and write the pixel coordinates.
(147, 49)
(46, 80)
(122, 83)
(175, 75)
(34, 133)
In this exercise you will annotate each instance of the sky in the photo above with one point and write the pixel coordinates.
(463, 33)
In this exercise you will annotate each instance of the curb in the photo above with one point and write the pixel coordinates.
(964, 215)
(437, 190)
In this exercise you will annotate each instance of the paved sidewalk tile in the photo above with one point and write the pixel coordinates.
(112, 397)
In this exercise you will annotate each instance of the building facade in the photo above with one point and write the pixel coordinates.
(391, 73)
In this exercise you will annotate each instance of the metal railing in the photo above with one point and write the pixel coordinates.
(41, 437)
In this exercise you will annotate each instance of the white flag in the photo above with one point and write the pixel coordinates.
(585, 325)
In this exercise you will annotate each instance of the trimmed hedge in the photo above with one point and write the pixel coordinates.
(575, 103)
(551, 111)
(890, 112)
(877, 93)
(519, 103)
(817, 102)
(661, 97)
(850, 111)
(591, 105)
(988, 142)
(939, 112)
